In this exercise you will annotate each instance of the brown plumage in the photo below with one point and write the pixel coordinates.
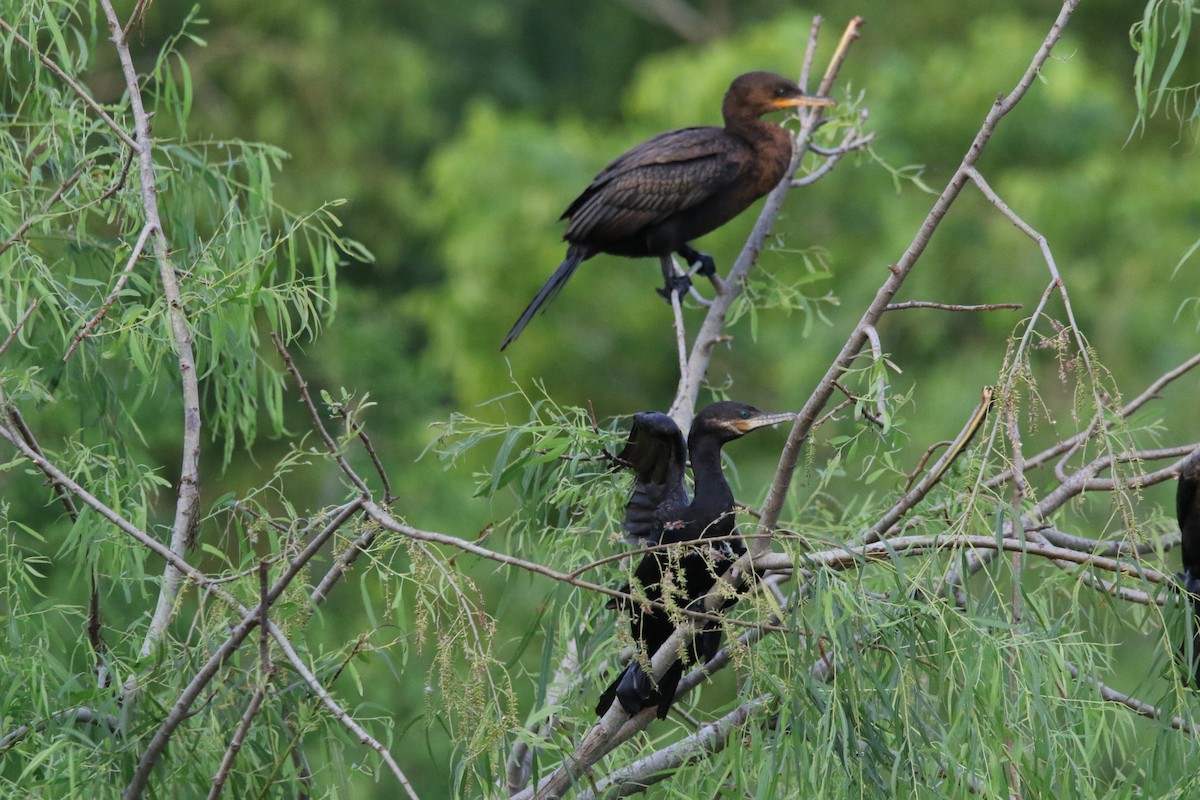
(680, 185)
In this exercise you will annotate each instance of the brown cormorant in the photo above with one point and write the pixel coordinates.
(680, 185)
(659, 512)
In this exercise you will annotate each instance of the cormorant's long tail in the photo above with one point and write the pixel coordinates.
(575, 257)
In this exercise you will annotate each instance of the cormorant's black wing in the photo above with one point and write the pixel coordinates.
(1187, 511)
(668, 174)
(657, 452)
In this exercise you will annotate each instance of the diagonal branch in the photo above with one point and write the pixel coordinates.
(32, 219)
(898, 273)
(134, 255)
(710, 334)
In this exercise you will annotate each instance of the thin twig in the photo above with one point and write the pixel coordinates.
(1151, 392)
(119, 182)
(359, 430)
(898, 272)
(850, 143)
(12, 335)
(951, 306)
(84, 714)
(1129, 701)
(29, 222)
(138, 246)
(75, 87)
(931, 478)
(340, 713)
(259, 694)
(318, 425)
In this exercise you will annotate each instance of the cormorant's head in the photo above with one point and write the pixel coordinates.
(728, 420)
(763, 92)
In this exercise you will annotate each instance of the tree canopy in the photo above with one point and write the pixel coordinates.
(278, 517)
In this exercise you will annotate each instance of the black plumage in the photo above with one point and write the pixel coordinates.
(657, 197)
(660, 512)
(1187, 511)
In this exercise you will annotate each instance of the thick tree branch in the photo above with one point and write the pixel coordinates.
(187, 505)
(712, 738)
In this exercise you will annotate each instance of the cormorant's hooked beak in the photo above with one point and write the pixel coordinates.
(762, 421)
(803, 100)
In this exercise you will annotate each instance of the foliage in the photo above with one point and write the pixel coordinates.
(1012, 630)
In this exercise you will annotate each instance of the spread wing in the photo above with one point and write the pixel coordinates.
(657, 453)
(663, 176)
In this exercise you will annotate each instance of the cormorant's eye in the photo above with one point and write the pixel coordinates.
(745, 415)
(781, 91)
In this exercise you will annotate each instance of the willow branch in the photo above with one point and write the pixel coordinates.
(952, 306)
(250, 618)
(1151, 392)
(931, 478)
(1083, 480)
(519, 766)
(29, 221)
(330, 445)
(1129, 701)
(712, 738)
(340, 713)
(256, 698)
(84, 714)
(898, 272)
(136, 146)
(683, 407)
(188, 502)
(136, 253)
(850, 143)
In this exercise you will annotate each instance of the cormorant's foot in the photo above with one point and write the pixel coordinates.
(705, 265)
(676, 284)
(1188, 582)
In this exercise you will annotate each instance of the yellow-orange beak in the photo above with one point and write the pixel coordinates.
(803, 100)
(762, 420)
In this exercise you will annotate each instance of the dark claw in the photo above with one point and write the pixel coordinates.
(707, 267)
(678, 284)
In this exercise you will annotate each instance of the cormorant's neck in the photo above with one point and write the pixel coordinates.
(705, 452)
(749, 126)
(771, 142)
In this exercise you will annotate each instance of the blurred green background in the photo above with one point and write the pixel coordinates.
(458, 131)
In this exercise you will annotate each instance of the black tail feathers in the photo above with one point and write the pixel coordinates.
(635, 690)
(575, 257)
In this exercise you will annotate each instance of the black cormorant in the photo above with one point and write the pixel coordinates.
(660, 512)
